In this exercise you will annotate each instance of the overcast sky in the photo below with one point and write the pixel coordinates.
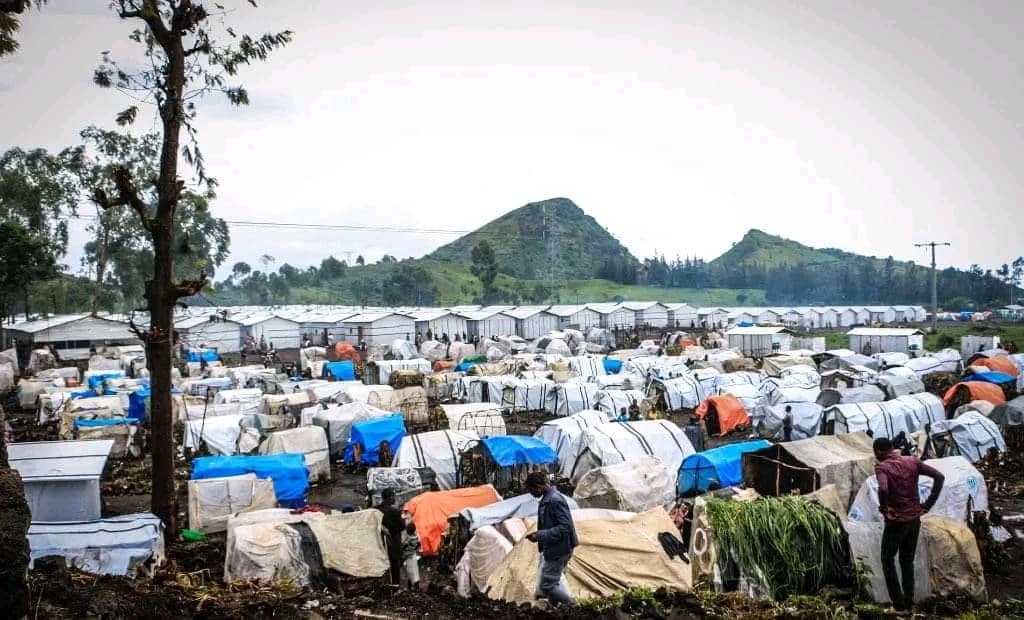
(677, 125)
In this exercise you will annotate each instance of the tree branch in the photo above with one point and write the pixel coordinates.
(127, 194)
(142, 334)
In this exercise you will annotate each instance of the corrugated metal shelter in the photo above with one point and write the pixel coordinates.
(72, 335)
(533, 321)
(62, 478)
(377, 328)
(440, 322)
(614, 316)
(211, 332)
(681, 315)
(489, 322)
(576, 317)
(281, 332)
(650, 313)
(759, 341)
(886, 339)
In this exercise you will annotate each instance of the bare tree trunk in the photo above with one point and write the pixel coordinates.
(14, 522)
(101, 266)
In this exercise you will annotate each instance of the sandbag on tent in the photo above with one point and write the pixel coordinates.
(974, 435)
(288, 471)
(338, 421)
(213, 500)
(438, 450)
(639, 485)
(483, 419)
(722, 466)
(310, 442)
(122, 545)
(430, 511)
(267, 546)
(723, 414)
(899, 381)
(963, 492)
(806, 421)
(679, 393)
(562, 434)
(967, 391)
(613, 556)
(810, 464)
(367, 438)
(618, 442)
(907, 414)
(612, 402)
(569, 398)
(846, 396)
(947, 561)
(520, 395)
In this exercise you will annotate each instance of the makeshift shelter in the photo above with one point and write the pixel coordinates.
(773, 366)
(723, 414)
(967, 391)
(753, 400)
(124, 545)
(1009, 416)
(517, 507)
(213, 500)
(504, 461)
(806, 420)
(288, 471)
(1001, 364)
(973, 435)
(680, 393)
(846, 362)
(569, 398)
(438, 450)
(561, 434)
(641, 484)
(406, 482)
(482, 419)
(722, 466)
(847, 396)
(61, 478)
(587, 366)
(337, 421)
(310, 442)
(612, 402)
(810, 464)
(899, 381)
(269, 546)
(963, 492)
(430, 511)
(379, 372)
(618, 442)
(906, 414)
(375, 441)
(339, 371)
(613, 556)
(519, 394)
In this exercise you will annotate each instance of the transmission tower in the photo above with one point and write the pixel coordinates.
(935, 281)
(551, 239)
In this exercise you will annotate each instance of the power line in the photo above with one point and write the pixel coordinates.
(935, 281)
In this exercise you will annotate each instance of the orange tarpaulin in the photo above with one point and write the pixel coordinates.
(430, 511)
(998, 364)
(727, 413)
(344, 352)
(443, 365)
(978, 390)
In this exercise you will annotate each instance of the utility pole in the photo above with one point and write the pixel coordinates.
(935, 282)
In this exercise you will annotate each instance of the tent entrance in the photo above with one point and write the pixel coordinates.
(775, 473)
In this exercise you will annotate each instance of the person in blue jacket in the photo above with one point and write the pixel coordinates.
(555, 538)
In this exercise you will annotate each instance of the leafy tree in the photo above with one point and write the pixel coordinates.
(25, 259)
(239, 271)
(37, 189)
(332, 268)
(484, 267)
(185, 57)
(408, 285)
(360, 260)
(363, 290)
(9, 24)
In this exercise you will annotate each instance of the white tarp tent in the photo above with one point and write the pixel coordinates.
(519, 394)
(907, 414)
(635, 486)
(752, 399)
(612, 402)
(806, 420)
(212, 501)
(481, 418)
(681, 392)
(61, 478)
(310, 442)
(338, 421)
(115, 546)
(619, 442)
(946, 360)
(900, 381)
(568, 398)
(438, 450)
(974, 435)
(518, 507)
(563, 433)
(220, 434)
(587, 366)
(386, 367)
(251, 399)
(963, 492)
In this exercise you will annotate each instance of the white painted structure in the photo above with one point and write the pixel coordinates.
(650, 313)
(577, 317)
(212, 332)
(486, 323)
(377, 328)
(711, 317)
(440, 322)
(281, 332)
(682, 315)
(71, 334)
(886, 339)
(614, 316)
(759, 341)
(533, 321)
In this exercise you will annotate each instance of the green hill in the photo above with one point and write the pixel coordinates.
(759, 249)
(581, 247)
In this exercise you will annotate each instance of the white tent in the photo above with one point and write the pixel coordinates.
(974, 435)
(636, 486)
(338, 421)
(946, 360)
(561, 434)
(483, 419)
(219, 433)
(212, 500)
(681, 392)
(251, 399)
(742, 377)
(907, 414)
(568, 398)
(752, 399)
(963, 492)
(438, 450)
(61, 478)
(519, 394)
(587, 366)
(806, 420)
(384, 368)
(114, 546)
(310, 442)
(612, 402)
(618, 442)
(900, 381)
(517, 507)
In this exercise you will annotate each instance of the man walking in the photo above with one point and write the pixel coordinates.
(555, 538)
(394, 525)
(899, 503)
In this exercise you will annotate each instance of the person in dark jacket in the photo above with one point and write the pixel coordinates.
(555, 538)
(394, 525)
(901, 506)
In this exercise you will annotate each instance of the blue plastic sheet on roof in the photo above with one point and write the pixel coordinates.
(612, 366)
(465, 366)
(96, 381)
(723, 465)
(83, 393)
(287, 470)
(341, 371)
(368, 436)
(744, 324)
(966, 316)
(991, 376)
(507, 450)
(204, 355)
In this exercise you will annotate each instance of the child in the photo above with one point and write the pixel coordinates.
(411, 556)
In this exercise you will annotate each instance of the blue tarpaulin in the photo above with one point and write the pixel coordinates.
(287, 470)
(744, 324)
(991, 376)
(96, 381)
(137, 404)
(341, 371)
(368, 435)
(507, 450)
(723, 465)
(612, 366)
(99, 423)
(465, 366)
(206, 355)
(83, 393)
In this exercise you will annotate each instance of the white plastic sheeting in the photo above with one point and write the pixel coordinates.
(568, 398)
(587, 366)
(891, 359)
(946, 360)
(900, 381)
(563, 433)
(752, 399)
(438, 450)
(806, 420)
(518, 507)
(682, 392)
(742, 377)
(612, 402)
(619, 442)
(386, 367)
(116, 546)
(310, 442)
(483, 419)
(220, 434)
(212, 501)
(519, 394)
(906, 414)
(635, 486)
(963, 492)
(361, 393)
(338, 421)
(251, 399)
(974, 435)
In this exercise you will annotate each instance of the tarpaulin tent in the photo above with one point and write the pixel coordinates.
(517, 507)
(115, 546)
(364, 442)
(612, 366)
(966, 391)
(569, 398)
(963, 492)
(907, 414)
(518, 394)
(806, 421)
(810, 464)
(438, 450)
(338, 421)
(1001, 364)
(899, 381)
(309, 441)
(1009, 415)
(509, 450)
(990, 376)
(638, 485)
(612, 402)
(752, 399)
(741, 377)
(680, 393)
(587, 366)
(505, 461)
(974, 435)
(946, 360)
(483, 419)
(773, 366)
(430, 511)
(213, 500)
(561, 434)
(618, 442)
(339, 371)
(722, 466)
(846, 396)
(723, 414)
(288, 471)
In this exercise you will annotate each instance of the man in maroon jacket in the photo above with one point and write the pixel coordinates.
(900, 504)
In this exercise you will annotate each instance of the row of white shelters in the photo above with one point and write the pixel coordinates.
(438, 322)
(758, 341)
(532, 322)
(575, 317)
(71, 335)
(885, 340)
